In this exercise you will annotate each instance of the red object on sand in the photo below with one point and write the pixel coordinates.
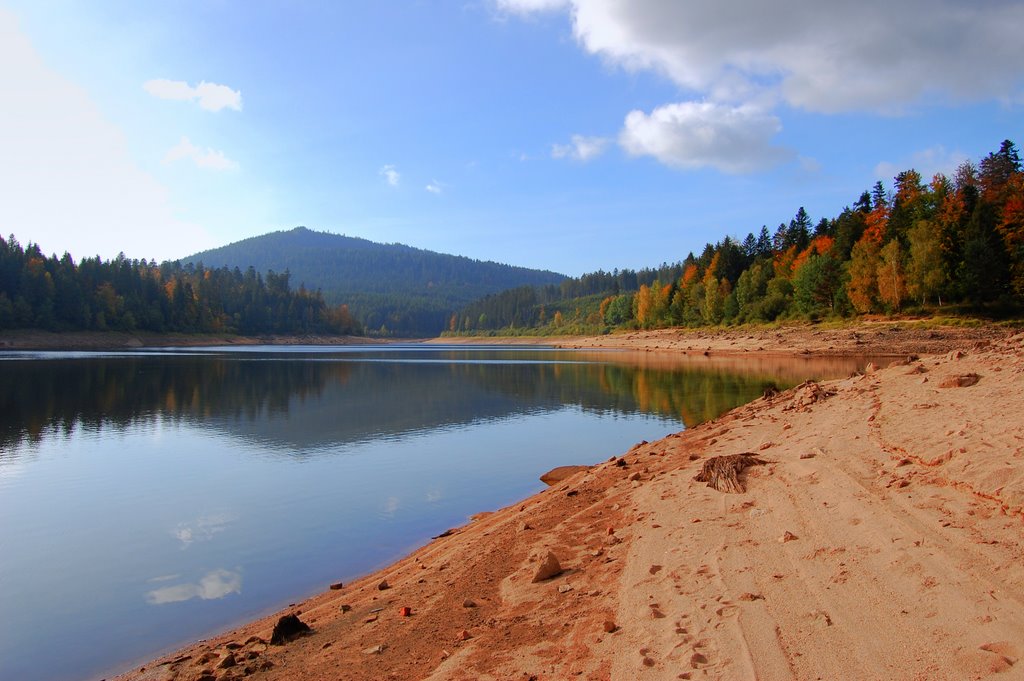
(405, 611)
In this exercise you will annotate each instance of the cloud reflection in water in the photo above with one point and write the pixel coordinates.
(203, 528)
(211, 586)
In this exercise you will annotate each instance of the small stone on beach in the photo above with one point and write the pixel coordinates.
(557, 475)
(549, 567)
(960, 381)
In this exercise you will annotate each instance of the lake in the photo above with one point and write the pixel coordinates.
(150, 498)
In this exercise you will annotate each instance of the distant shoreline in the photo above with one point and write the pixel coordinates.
(867, 338)
(115, 340)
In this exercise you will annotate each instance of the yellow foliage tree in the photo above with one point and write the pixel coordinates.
(892, 284)
(862, 289)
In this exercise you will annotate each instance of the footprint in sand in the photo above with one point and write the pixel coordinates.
(1004, 649)
(989, 658)
(727, 610)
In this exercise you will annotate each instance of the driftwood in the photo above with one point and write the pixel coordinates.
(722, 472)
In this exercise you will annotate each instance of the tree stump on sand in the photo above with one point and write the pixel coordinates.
(722, 472)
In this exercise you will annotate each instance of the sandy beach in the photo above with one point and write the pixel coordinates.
(877, 536)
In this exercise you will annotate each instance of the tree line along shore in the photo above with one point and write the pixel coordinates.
(952, 246)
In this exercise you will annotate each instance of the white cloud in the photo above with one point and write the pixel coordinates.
(214, 97)
(820, 55)
(527, 6)
(390, 174)
(693, 135)
(581, 148)
(209, 96)
(209, 159)
(67, 178)
(211, 586)
(435, 187)
(177, 90)
(927, 163)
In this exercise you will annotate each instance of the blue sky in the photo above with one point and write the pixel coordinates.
(571, 135)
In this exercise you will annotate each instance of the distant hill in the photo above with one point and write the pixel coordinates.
(409, 291)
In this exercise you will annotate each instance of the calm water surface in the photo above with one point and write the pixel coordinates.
(151, 498)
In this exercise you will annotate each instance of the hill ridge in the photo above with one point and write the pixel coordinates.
(392, 288)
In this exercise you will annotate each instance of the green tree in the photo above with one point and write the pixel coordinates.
(618, 311)
(776, 302)
(751, 288)
(815, 285)
(925, 276)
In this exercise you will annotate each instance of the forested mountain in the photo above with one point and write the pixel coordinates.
(920, 246)
(392, 288)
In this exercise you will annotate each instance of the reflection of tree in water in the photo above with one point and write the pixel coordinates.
(118, 392)
(301, 403)
(690, 395)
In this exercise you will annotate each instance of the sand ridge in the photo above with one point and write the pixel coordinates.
(882, 540)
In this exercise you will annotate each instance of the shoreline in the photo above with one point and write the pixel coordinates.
(866, 338)
(893, 339)
(880, 540)
(22, 339)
